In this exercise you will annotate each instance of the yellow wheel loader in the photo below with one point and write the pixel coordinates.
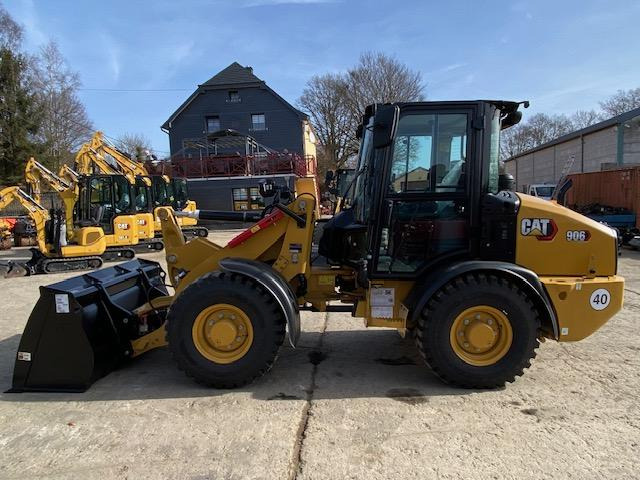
(428, 245)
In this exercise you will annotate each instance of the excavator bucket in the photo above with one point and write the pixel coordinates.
(81, 328)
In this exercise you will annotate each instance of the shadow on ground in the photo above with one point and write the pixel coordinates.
(350, 364)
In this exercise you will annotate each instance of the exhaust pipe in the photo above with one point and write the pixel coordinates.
(82, 328)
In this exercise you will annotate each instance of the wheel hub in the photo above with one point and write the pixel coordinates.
(222, 333)
(481, 335)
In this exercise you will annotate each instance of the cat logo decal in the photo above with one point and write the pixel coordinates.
(542, 228)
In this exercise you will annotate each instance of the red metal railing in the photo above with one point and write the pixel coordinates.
(237, 166)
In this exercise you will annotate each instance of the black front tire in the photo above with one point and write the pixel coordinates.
(434, 328)
(267, 321)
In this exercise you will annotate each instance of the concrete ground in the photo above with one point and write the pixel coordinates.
(348, 403)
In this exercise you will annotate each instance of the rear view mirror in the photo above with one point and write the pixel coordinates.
(512, 118)
(384, 127)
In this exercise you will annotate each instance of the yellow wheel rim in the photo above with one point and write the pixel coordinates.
(481, 335)
(222, 333)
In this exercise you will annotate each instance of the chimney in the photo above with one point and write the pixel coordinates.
(250, 69)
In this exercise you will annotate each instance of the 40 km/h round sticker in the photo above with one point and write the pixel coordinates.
(600, 299)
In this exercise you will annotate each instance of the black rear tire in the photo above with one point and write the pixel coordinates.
(267, 321)
(434, 329)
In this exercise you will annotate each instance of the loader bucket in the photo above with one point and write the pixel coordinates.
(81, 328)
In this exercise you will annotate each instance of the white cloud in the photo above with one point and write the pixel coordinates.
(112, 56)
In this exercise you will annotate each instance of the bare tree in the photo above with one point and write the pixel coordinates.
(585, 118)
(336, 102)
(538, 129)
(64, 124)
(622, 101)
(136, 145)
(514, 140)
(379, 78)
(323, 100)
(10, 31)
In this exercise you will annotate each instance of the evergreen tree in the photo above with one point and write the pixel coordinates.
(18, 117)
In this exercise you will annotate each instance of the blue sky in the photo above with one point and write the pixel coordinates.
(561, 55)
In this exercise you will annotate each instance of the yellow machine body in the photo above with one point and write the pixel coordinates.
(478, 287)
(125, 231)
(87, 241)
(569, 270)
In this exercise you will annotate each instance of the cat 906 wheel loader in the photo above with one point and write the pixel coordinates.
(428, 245)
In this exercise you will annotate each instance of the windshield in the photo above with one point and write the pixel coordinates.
(162, 194)
(362, 193)
(141, 193)
(180, 192)
(122, 194)
(345, 176)
(494, 153)
(544, 191)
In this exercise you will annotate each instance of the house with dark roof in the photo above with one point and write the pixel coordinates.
(236, 99)
(231, 132)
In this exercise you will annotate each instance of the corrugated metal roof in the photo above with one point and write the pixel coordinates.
(623, 117)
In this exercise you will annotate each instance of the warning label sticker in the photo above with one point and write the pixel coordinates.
(62, 303)
(381, 301)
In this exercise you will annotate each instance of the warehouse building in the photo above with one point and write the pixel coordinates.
(611, 144)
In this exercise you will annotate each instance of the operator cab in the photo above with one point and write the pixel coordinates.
(180, 192)
(424, 172)
(102, 198)
(162, 191)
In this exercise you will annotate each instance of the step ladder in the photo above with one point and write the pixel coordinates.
(563, 175)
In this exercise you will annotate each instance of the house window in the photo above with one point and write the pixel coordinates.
(234, 96)
(247, 199)
(213, 124)
(258, 122)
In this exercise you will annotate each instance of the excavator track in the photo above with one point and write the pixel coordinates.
(115, 254)
(58, 265)
(196, 231)
(144, 246)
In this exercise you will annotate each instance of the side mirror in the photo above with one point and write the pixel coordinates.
(384, 127)
(511, 119)
(267, 189)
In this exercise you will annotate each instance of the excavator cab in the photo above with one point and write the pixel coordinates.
(180, 193)
(108, 201)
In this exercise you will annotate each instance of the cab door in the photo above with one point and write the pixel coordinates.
(424, 202)
(101, 204)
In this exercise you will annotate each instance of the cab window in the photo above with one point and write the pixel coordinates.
(429, 153)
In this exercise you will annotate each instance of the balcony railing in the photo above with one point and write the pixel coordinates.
(241, 166)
